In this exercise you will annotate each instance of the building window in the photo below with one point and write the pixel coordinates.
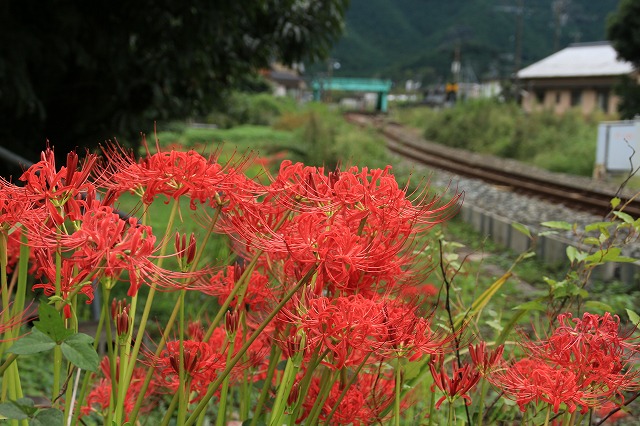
(576, 97)
(539, 96)
(558, 97)
(602, 100)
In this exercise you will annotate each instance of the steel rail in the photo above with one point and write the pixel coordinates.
(467, 164)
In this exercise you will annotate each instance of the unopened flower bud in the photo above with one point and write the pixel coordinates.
(122, 322)
(232, 319)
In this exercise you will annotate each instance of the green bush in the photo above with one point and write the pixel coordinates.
(250, 108)
(561, 143)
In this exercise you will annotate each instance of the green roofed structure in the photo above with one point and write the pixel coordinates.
(381, 87)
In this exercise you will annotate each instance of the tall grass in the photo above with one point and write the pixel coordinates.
(560, 143)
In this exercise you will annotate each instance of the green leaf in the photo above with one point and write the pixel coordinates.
(598, 226)
(626, 218)
(48, 417)
(13, 410)
(633, 317)
(32, 343)
(51, 322)
(533, 305)
(558, 225)
(521, 228)
(79, 351)
(594, 304)
(615, 202)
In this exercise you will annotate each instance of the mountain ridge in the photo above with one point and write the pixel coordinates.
(417, 39)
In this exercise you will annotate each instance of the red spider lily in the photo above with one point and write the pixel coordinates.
(111, 245)
(365, 401)
(16, 206)
(63, 190)
(463, 379)
(174, 174)
(70, 278)
(361, 239)
(201, 364)
(530, 380)
(257, 298)
(352, 327)
(593, 348)
(99, 399)
(582, 364)
(483, 360)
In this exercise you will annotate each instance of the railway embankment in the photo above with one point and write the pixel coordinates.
(492, 208)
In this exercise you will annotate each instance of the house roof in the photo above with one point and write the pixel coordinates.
(579, 60)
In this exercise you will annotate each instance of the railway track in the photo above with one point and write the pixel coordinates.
(544, 185)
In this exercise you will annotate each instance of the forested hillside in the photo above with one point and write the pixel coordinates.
(417, 38)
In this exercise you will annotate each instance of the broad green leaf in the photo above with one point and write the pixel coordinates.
(482, 300)
(521, 228)
(79, 351)
(11, 410)
(626, 218)
(571, 253)
(51, 322)
(47, 417)
(556, 224)
(32, 343)
(594, 304)
(633, 317)
(597, 226)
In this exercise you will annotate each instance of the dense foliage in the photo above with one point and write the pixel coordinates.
(79, 73)
(624, 32)
(564, 143)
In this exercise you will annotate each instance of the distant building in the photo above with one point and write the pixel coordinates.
(582, 75)
(285, 81)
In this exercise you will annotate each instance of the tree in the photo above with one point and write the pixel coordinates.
(77, 73)
(623, 29)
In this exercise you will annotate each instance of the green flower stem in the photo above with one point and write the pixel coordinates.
(106, 292)
(240, 285)
(7, 363)
(432, 405)
(152, 291)
(451, 416)
(305, 383)
(145, 315)
(352, 379)
(546, 420)
(21, 292)
(274, 359)
(224, 392)
(172, 407)
(483, 393)
(57, 369)
(327, 380)
(122, 384)
(3, 277)
(286, 383)
(183, 392)
(147, 379)
(213, 386)
(398, 388)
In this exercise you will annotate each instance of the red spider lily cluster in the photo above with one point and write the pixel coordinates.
(584, 364)
(311, 320)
